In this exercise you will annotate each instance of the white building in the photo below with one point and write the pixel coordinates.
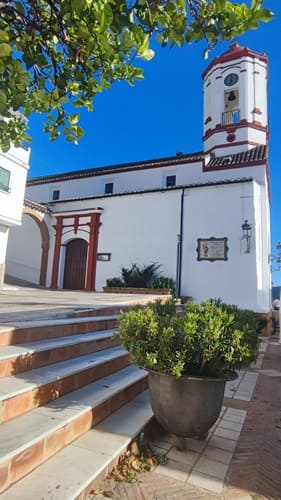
(203, 216)
(13, 171)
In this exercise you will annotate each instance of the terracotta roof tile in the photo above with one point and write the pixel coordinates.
(251, 156)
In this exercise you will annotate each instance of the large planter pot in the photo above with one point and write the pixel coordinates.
(186, 407)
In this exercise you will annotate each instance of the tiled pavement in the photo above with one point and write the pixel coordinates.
(241, 458)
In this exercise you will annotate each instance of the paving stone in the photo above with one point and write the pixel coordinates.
(207, 482)
(223, 443)
(173, 469)
(195, 444)
(211, 467)
(218, 454)
(232, 426)
(226, 433)
(235, 415)
(184, 457)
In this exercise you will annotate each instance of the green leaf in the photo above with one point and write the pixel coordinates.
(5, 50)
(4, 37)
(3, 102)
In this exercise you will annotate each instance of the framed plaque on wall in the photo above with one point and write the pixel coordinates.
(212, 249)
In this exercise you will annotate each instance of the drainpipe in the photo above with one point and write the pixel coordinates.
(179, 249)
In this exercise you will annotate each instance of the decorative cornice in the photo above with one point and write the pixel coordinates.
(235, 51)
(37, 206)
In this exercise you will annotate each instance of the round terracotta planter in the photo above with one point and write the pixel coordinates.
(186, 407)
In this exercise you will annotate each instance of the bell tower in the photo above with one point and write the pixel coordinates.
(235, 101)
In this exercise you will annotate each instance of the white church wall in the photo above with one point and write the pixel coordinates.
(233, 280)
(134, 229)
(152, 178)
(24, 259)
(139, 229)
(263, 248)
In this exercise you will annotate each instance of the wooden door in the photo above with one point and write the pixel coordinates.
(75, 264)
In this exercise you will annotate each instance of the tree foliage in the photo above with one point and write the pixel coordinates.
(57, 55)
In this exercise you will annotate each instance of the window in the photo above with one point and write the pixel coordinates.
(5, 179)
(56, 194)
(108, 188)
(170, 180)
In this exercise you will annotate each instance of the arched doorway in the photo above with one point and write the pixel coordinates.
(75, 264)
(28, 246)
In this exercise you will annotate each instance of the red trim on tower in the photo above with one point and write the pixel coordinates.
(92, 251)
(58, 227)
(241, 143)
(234, 52)
(232, 127)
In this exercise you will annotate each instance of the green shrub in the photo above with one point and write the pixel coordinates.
(139, 277)
(162, 282)
(114, 282)
(208, 340)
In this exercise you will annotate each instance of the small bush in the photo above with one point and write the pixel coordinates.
(162, 282)
(139, 277)
(209, 340)
(114, 282)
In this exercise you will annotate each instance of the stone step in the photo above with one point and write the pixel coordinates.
(22, 393)
(74, 471)
(31, 439)
(29, 331)
(31, 355)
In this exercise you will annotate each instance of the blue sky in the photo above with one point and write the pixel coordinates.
(162, 115)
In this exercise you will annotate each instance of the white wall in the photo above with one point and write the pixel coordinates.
(16, 162)
(219, 212)
(144, 228)
(24, 251)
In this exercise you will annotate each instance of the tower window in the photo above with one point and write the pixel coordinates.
(170, 180)
(108, 188)
(56, 195)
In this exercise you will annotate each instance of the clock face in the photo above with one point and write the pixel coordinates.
(231, 79)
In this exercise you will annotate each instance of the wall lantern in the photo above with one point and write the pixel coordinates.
(246, 235)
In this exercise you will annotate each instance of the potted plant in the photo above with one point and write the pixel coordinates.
(189, 356)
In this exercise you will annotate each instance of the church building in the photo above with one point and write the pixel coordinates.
(204, 217)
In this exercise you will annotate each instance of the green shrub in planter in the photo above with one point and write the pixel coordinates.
(162, 282)
(209, 340)
(114, 282)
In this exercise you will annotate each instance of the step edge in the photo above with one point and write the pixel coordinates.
(34, 385)
(83, 337)
(109, 460)
(139, 375)
(24, 325)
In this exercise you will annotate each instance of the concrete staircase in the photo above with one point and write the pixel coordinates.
(70, 404)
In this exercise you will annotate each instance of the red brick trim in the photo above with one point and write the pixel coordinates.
(92, 251)
(232, 127)
(240, 143)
